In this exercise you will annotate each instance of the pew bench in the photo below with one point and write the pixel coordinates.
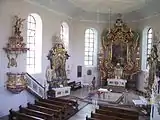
(103, 117)
(69, 102)
(116, 114)
(55, 113)
(53, 107)
(21, 116)
(68, 108)
(62, 105)
(35, 113)
(120, 110)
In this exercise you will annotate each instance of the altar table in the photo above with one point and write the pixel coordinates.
(108, 95)
(117, 82)
(63, 91)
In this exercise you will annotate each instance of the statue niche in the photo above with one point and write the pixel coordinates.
(120, 46)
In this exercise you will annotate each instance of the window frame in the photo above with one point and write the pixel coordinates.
(30, 42)
(34, 43)
(149, 33)
(89, 44)
(64, 34)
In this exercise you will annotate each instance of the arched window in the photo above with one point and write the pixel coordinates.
(90, 40)
(64, 34)
(149, 43)
(34, 43)
(146, 45)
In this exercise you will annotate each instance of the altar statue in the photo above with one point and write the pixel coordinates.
(18, 25)
(152, 62)
(118, 71)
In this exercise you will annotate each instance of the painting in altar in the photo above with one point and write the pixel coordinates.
(119, 54)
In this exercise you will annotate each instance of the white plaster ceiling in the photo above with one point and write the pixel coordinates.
(104, 6)
(132, 10)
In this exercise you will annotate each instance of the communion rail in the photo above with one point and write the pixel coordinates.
(34, 87)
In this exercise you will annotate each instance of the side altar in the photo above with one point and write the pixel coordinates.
(56, 73)
(119, 56)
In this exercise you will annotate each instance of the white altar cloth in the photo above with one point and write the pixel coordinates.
(117, 82)
(63, 91)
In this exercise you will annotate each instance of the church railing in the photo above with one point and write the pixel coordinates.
(34, 87)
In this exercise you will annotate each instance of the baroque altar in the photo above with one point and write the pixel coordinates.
(119, 53)
(56, 72)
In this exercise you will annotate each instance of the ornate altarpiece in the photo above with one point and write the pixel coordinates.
(120, 45)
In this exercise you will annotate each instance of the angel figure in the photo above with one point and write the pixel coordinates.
(18, 25)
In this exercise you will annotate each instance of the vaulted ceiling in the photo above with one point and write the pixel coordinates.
(88, 9)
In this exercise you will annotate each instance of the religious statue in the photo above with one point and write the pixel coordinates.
(58, 56)
(18, 25)
(118, 71)
(152, 62)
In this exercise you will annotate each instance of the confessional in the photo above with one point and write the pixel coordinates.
(119, 45)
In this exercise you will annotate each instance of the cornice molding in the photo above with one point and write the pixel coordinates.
(47, 8)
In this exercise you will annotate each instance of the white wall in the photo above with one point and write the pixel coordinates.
(77, 53)
(152, 22)
(51, 23)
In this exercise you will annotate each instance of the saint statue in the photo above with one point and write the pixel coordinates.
(152, 62)
(118, 71)
(18, 25)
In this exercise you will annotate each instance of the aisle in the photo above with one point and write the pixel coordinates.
(81, 115)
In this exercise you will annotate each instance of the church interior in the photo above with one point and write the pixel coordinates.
(80, 60)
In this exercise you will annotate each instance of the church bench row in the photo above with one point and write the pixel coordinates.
(36, 113)
(69, 102)
(124, 111)
(55, 113)
(117, 114)
(46, 109)
(65, 107)
(113, 113)
(21, 116)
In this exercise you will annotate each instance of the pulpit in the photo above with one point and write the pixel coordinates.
(119, 53)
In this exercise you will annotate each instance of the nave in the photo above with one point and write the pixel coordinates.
(66, 108)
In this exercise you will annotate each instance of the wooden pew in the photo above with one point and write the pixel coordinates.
(35, 113)
(116, 114)
(51, 106)
(61, 105)
(120, 110)
(67, 108)
(104, 117)
(21, 116)
(69, 102)
(48, 105)
(55, 113)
